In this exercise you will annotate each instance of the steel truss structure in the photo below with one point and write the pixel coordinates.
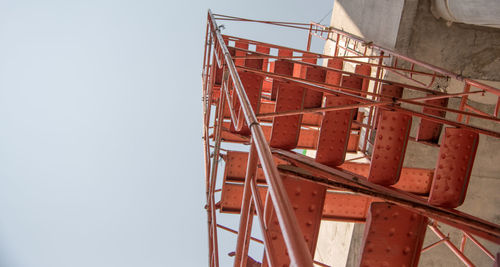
(274, 99)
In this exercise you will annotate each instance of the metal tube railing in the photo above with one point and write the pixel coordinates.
(417, 62)
(294, 241)
(453, 248)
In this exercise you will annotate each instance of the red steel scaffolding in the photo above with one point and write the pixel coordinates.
(275, 99)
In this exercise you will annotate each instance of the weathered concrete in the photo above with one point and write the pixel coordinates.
(373, 20)
(477, 12)
(472, 51)
(356, 245)
(334, 242)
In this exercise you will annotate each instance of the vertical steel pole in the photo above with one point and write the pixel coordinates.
(245, 204)
(248, 233)
(462, 243)
(213, 177)
(260, 214)
(497, 107)
(463, 101)
(309, 38)
(336, 53)
(206, 142)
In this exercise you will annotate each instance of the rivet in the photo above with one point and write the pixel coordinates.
(392, 231)
(297, 191)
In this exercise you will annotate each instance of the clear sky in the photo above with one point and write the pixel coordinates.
(101, 160)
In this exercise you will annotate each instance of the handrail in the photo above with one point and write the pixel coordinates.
(437, 69)
(292, 235)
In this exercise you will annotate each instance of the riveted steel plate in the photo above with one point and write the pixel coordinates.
(253, 89)
(338, 206)
(303, 68)
(334, 132)
(281, 53)
(430, 131)
(263, 50)
(267, 85)
(236, 167)
(333, 77)
(239, 53)
(341, 206)
(454, 166)
(308, 137)
(413, 180)
(352, 82)
(313, 99)
(390, 146)
(286, 129)
(393, 236)
(364, 69)
(352, 144)
(389, 91)
(308, 119)
(231, 197)
(217, 74)
(307, 199)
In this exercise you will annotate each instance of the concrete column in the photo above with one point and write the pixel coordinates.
(477, 12)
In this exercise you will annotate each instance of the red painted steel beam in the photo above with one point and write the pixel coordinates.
(336, 178)
(393, 236)
(307, 199)
(413, 180)
(338, 206)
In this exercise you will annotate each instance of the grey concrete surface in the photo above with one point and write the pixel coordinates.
(469, 50)
(477, 12)
(374, 20)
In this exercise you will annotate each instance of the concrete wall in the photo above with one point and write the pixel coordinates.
(477, 12)
(472, 51)
(377, 21)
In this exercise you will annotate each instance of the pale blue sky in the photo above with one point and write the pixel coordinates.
(101, 160)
